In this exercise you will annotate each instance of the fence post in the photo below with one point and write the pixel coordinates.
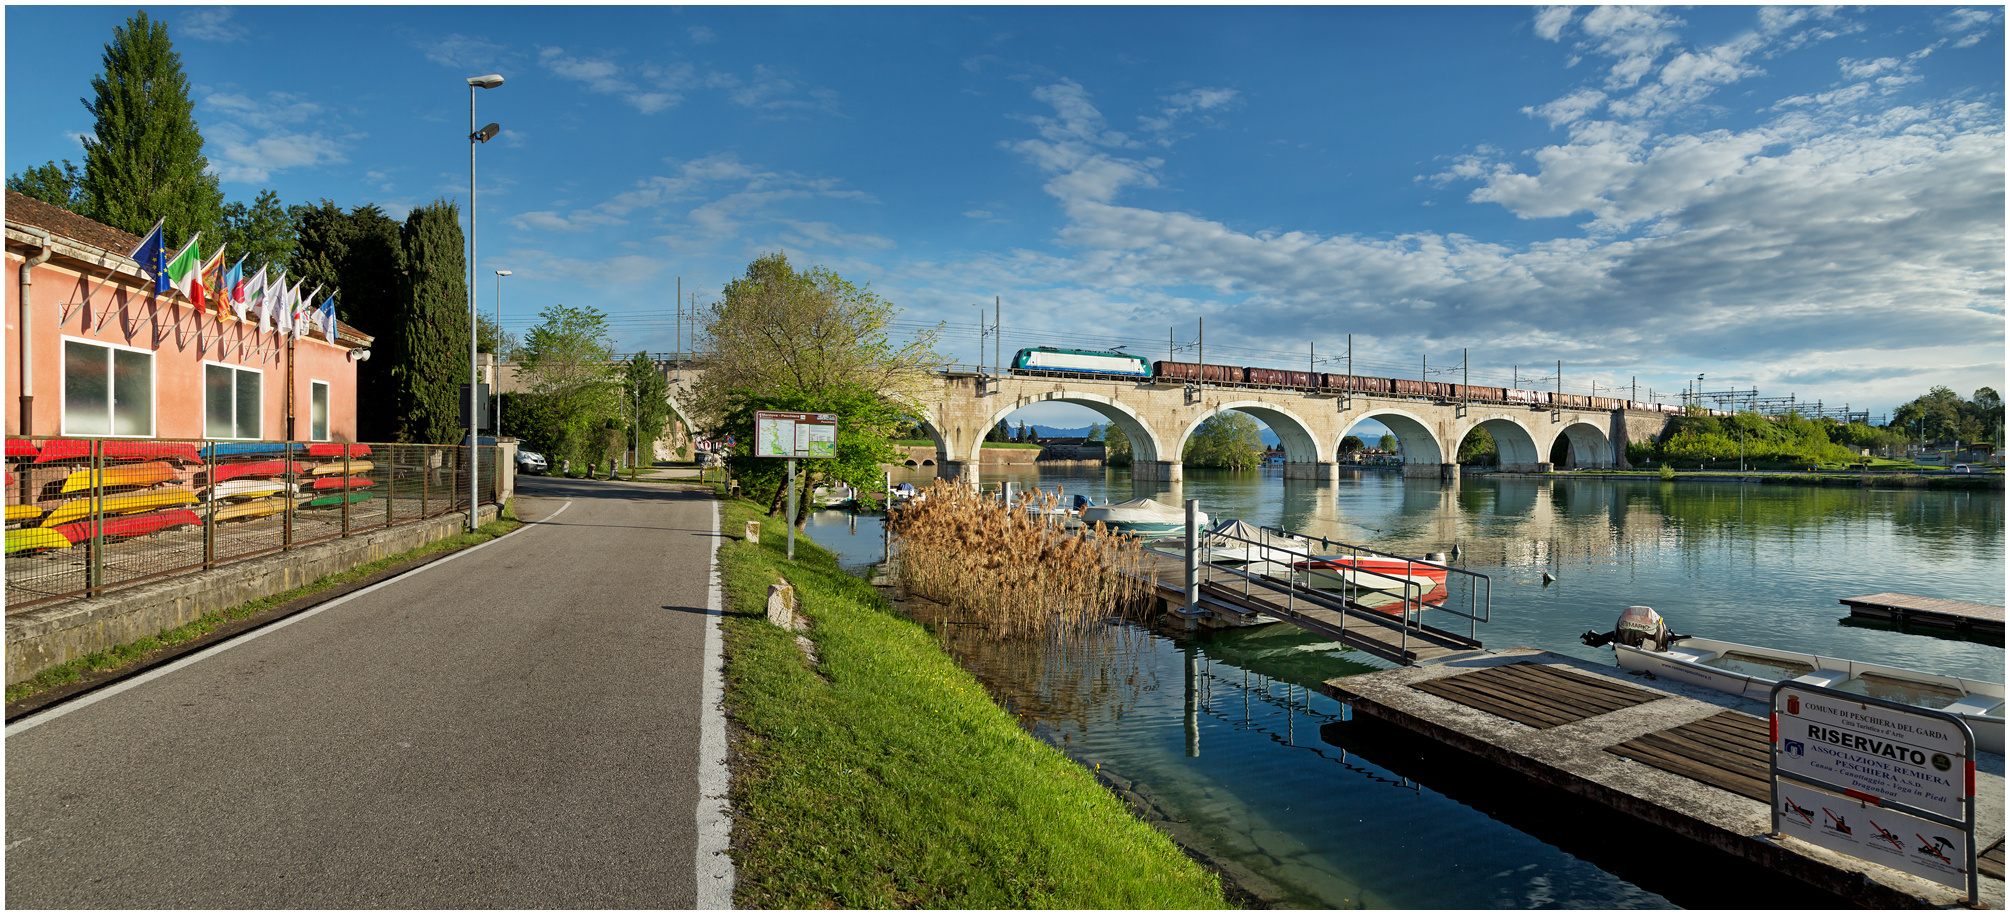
(292, 495)
(426, 482)
(1192, 558)
(345, 490)
(94, 563)
(209, 524)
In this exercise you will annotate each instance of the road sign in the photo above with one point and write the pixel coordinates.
(1875, 779)
(782, 434)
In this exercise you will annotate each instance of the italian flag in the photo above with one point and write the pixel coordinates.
(184, 271)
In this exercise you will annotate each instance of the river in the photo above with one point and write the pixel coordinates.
(1223, 737)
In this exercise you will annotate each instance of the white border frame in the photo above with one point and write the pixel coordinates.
(327, 434)
(63, 386)
(206, 363)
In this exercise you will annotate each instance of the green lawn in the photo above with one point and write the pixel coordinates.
(885, 777)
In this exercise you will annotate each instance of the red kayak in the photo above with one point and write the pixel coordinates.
(343, 482)
(222, 472)
(21, 447)
(329, 450)
(130, 525)
(77, 449)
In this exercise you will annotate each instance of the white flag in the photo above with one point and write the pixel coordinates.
(275, 294)
(254, 295)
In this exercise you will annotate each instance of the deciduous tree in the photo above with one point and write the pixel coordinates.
(1229, 440)
(263, 234)
(567, 361)
(57, 186)
(811, 341)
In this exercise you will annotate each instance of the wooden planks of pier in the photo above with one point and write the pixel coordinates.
(1672, 756)
(1909, 609)
(1233, 600)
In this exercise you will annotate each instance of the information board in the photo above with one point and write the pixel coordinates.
(782, 434)
(1875, 779)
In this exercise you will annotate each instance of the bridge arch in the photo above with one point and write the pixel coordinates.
(1420, 444)
(1514, 441)
(1294, 435)
(1146, 445)
(1589, 445)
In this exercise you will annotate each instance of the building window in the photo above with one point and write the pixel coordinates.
(231, 401)
(319, 423)
(107, 390)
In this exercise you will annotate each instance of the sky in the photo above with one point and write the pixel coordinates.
(1802, 201)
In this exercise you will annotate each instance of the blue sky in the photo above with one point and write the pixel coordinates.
(1806, 201)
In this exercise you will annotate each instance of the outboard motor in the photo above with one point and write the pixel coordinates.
(1081, 502)
(1639, 627)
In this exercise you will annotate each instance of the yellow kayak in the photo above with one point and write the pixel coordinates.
(22, 513)
(119, 505)
(35, 538)
(146, 474)
(336, 467)
(256, 508)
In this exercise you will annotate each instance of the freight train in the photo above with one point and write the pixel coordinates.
(1078, 363)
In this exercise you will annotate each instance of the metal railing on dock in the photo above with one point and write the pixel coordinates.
(1363, 597)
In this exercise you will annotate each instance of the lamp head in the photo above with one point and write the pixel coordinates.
(486, 82)
(502, 273)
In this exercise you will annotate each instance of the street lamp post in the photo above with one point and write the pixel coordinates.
(475, 136)
(499, 345)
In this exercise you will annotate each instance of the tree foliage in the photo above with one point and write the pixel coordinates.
(567, 361)
(1350, 444)
(1116, 446)
(427, 340)
(57, 186)
(1229, 440)
(143, 160)
(263, 234)
(1479, 448)
(647, 393)
(808, 340)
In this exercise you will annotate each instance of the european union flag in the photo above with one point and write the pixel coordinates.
(149, 256)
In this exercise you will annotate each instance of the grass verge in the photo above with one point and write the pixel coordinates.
(886, 777)
(121, 657)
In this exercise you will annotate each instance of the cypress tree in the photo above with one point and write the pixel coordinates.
(428, 336)
(144, 158)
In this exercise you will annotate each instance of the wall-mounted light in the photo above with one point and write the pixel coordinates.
(359, 355)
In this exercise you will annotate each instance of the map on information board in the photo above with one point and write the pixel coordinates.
(783, 434)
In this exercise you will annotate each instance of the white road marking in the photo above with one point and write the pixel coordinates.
(108, 692)
(715, 817)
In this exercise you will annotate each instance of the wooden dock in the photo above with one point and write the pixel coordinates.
(1908, 609)
(1675, 757)
(1228, 599)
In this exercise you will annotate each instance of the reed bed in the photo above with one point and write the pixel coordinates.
(1012, 571)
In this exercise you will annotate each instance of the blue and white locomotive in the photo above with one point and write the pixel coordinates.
(1080, 362)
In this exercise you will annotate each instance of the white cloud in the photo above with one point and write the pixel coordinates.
(1549, 22)
(463, 52)
(699, 34)
(211, 25)
(237, 155)
(1796, 239)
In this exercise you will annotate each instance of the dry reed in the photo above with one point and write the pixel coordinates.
(1012, 571)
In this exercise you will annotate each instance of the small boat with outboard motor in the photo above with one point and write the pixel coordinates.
(1139, 516)
(1643, 642)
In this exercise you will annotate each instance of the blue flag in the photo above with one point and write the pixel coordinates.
(149, 256)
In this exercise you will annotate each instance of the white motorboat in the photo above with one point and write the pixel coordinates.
(1236, 542)
(1139, 516)
(1751, 671)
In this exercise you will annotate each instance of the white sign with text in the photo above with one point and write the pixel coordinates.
(1891, 755)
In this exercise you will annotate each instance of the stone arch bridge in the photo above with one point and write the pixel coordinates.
(1159, 417)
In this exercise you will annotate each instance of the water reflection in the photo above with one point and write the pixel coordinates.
(1224, 738)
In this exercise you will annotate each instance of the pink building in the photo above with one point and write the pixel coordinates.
(93, 352)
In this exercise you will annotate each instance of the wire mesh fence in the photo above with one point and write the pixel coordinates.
(85, 516)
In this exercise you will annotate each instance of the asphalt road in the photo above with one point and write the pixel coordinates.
(519, 726)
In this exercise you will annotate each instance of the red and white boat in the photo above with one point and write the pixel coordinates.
(1393, 574)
